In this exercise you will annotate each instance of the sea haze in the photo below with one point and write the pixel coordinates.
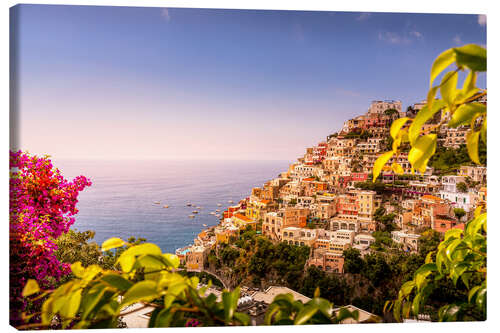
(120, 202)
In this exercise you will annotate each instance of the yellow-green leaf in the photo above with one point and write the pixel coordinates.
(380, 162)
(431, 95)
(422, 150)
(30, 288)
(472, 145)
(77, 269)
(471, 56)
(442, 61)
(448, 88)
(398, 169)
(483, 131)
(127, 258)
(397, 124)
(421, 118)
(71, 307)
(465, 113)
(112, 243)
(141, 291)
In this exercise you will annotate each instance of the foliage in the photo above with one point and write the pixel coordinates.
(41, 208)
(378, 187)
(456, 103)
(449, 159)
(462, 187)
(97, 297)
(461, 256)
(459, 213)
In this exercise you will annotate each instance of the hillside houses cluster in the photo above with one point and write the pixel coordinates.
(319, 200)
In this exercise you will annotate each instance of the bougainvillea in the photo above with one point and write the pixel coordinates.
(42, 206)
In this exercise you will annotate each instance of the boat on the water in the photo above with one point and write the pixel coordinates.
(204, 225)
(156, 202)
(189, 204)
(198, 207)
(195, 212)
(166, 206)
(230, 201)
(191, 216)
(212, 213)
(217, 210)
(219, 204)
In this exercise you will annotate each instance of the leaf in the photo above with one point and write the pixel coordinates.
(77, 269)
(416, 304)
(91, 298)
(305, 314)
(344, 314)
(431, 95)
(112, 243)
(456, 233)
(30, 288)
(483, 131)
(70, 309)
(398, 169)
(141, 291)
(397, 125)
(243, 318)
(465, 113)
(422, 150)
(426, 269)
(478, 210)
(472, 139)
(380, 162)
(448, 88)
(471, 56)
(407, 287)
(172, 260)
(230, 301)
(117, 281)
(442, 61)
(428, 257)
(397, 310)
(127, 258)
(421, 118)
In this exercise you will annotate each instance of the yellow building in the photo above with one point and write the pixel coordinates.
(243, 221)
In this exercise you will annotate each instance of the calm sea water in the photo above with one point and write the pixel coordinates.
(120, 202)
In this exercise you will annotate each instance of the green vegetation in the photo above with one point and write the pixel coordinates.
(449, 159)
(459, 213)
(459, 263)
(378, 187)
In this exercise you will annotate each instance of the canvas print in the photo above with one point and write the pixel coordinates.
(216, 167)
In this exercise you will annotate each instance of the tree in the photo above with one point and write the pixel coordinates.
(462, 187)
(353, 263)
(459, 213)
(461, 256)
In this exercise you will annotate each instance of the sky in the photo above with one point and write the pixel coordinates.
(172, 83)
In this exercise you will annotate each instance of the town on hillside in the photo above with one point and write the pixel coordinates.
(326, 200)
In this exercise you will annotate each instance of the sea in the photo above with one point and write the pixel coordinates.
(121, 201)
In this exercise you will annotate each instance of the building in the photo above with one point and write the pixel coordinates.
(408, 241)
(451, 193)
(475, 173)
(299, 236)
(242, 221)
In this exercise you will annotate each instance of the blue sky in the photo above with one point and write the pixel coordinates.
(129, 82)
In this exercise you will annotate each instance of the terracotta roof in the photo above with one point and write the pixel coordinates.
(431, 197)
(308, 179)
(242, 217)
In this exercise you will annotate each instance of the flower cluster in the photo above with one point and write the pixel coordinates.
(42, 206)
